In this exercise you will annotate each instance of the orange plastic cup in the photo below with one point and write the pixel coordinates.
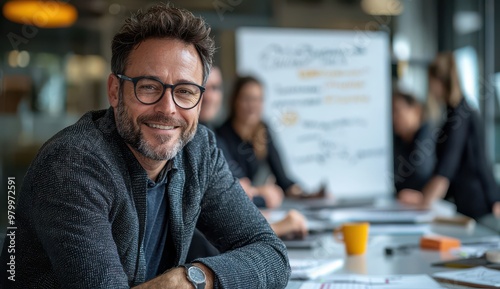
(354, 236)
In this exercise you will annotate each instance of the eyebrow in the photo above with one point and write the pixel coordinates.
(182, 80)
(185, 80)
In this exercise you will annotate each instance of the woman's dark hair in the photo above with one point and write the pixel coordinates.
(258, 138)
(235, 93)
(162, 21)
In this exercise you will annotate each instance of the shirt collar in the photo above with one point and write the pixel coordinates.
(162, 176)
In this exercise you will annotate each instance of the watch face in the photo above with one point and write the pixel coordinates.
(196, 274)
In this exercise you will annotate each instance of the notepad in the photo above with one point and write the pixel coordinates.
(306, 269)
(352, 281)
(314, 285)
(478, 277)
(308, 242)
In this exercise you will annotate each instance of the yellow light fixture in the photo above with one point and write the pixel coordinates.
(382, 7)
(43, 14)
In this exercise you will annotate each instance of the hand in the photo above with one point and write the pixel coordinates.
(411, 197)
(272, 194)
(321, 193)
(295, 191)
(294, 224)
(176, 278)
(250, 190)
(496, 210)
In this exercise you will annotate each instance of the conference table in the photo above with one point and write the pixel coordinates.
(405, 255)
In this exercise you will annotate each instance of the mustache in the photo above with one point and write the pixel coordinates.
(161, 118)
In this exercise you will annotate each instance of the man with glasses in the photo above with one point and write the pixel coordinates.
(112, 201)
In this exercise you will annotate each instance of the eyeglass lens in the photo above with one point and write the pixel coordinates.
(185, 95)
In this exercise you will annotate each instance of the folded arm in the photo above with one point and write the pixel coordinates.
(254, 256)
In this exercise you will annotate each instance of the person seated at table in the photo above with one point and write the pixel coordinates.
(248, 145)
(210, 109)
(462, 172)
(414, 148)
(293, 223)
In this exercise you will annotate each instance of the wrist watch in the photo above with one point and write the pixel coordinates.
(195, 275)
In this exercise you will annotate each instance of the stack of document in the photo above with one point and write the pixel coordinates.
(477, 277)
(368, 282)
(382, 216)
(306, 269)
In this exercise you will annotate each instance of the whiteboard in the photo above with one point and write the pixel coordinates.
(327, 103)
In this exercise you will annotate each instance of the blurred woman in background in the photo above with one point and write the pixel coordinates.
(293, 224)
(248, 145)
(462, 172)
(414, 147)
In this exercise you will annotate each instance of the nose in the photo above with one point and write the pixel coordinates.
(166, 104)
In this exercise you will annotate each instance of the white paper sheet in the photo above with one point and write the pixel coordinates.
(407, 229)
(369, 282)
(306, 269)
(478, 276)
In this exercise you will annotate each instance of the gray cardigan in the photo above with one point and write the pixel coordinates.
(81, 214)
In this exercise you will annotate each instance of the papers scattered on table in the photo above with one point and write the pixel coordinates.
(308, 242)
(320, 226)
(484, 277)
(475, 249)
(369, 282)
(411, 229)
(306, 269)
(381, 216)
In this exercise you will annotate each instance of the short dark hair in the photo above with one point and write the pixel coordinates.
(408, 98)
(162, 21)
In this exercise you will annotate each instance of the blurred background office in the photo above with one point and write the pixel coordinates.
(53, 72)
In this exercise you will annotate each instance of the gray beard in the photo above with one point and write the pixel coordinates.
(133, 136)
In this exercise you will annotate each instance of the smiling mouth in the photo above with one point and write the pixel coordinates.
(159, 126)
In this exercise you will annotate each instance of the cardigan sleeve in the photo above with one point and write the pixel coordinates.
(70, 211)
(254, 256)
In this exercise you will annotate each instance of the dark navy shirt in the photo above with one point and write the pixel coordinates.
(156, 224)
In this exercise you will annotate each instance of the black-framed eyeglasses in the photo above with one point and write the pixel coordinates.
(149, 90)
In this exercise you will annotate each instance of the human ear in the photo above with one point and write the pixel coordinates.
(113, 90)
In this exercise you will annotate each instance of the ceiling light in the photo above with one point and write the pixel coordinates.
(114, 9)
(12, 58)
(23, 58)
(43, 14)
(382, 7)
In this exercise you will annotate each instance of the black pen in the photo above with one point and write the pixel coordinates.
(401, 248)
